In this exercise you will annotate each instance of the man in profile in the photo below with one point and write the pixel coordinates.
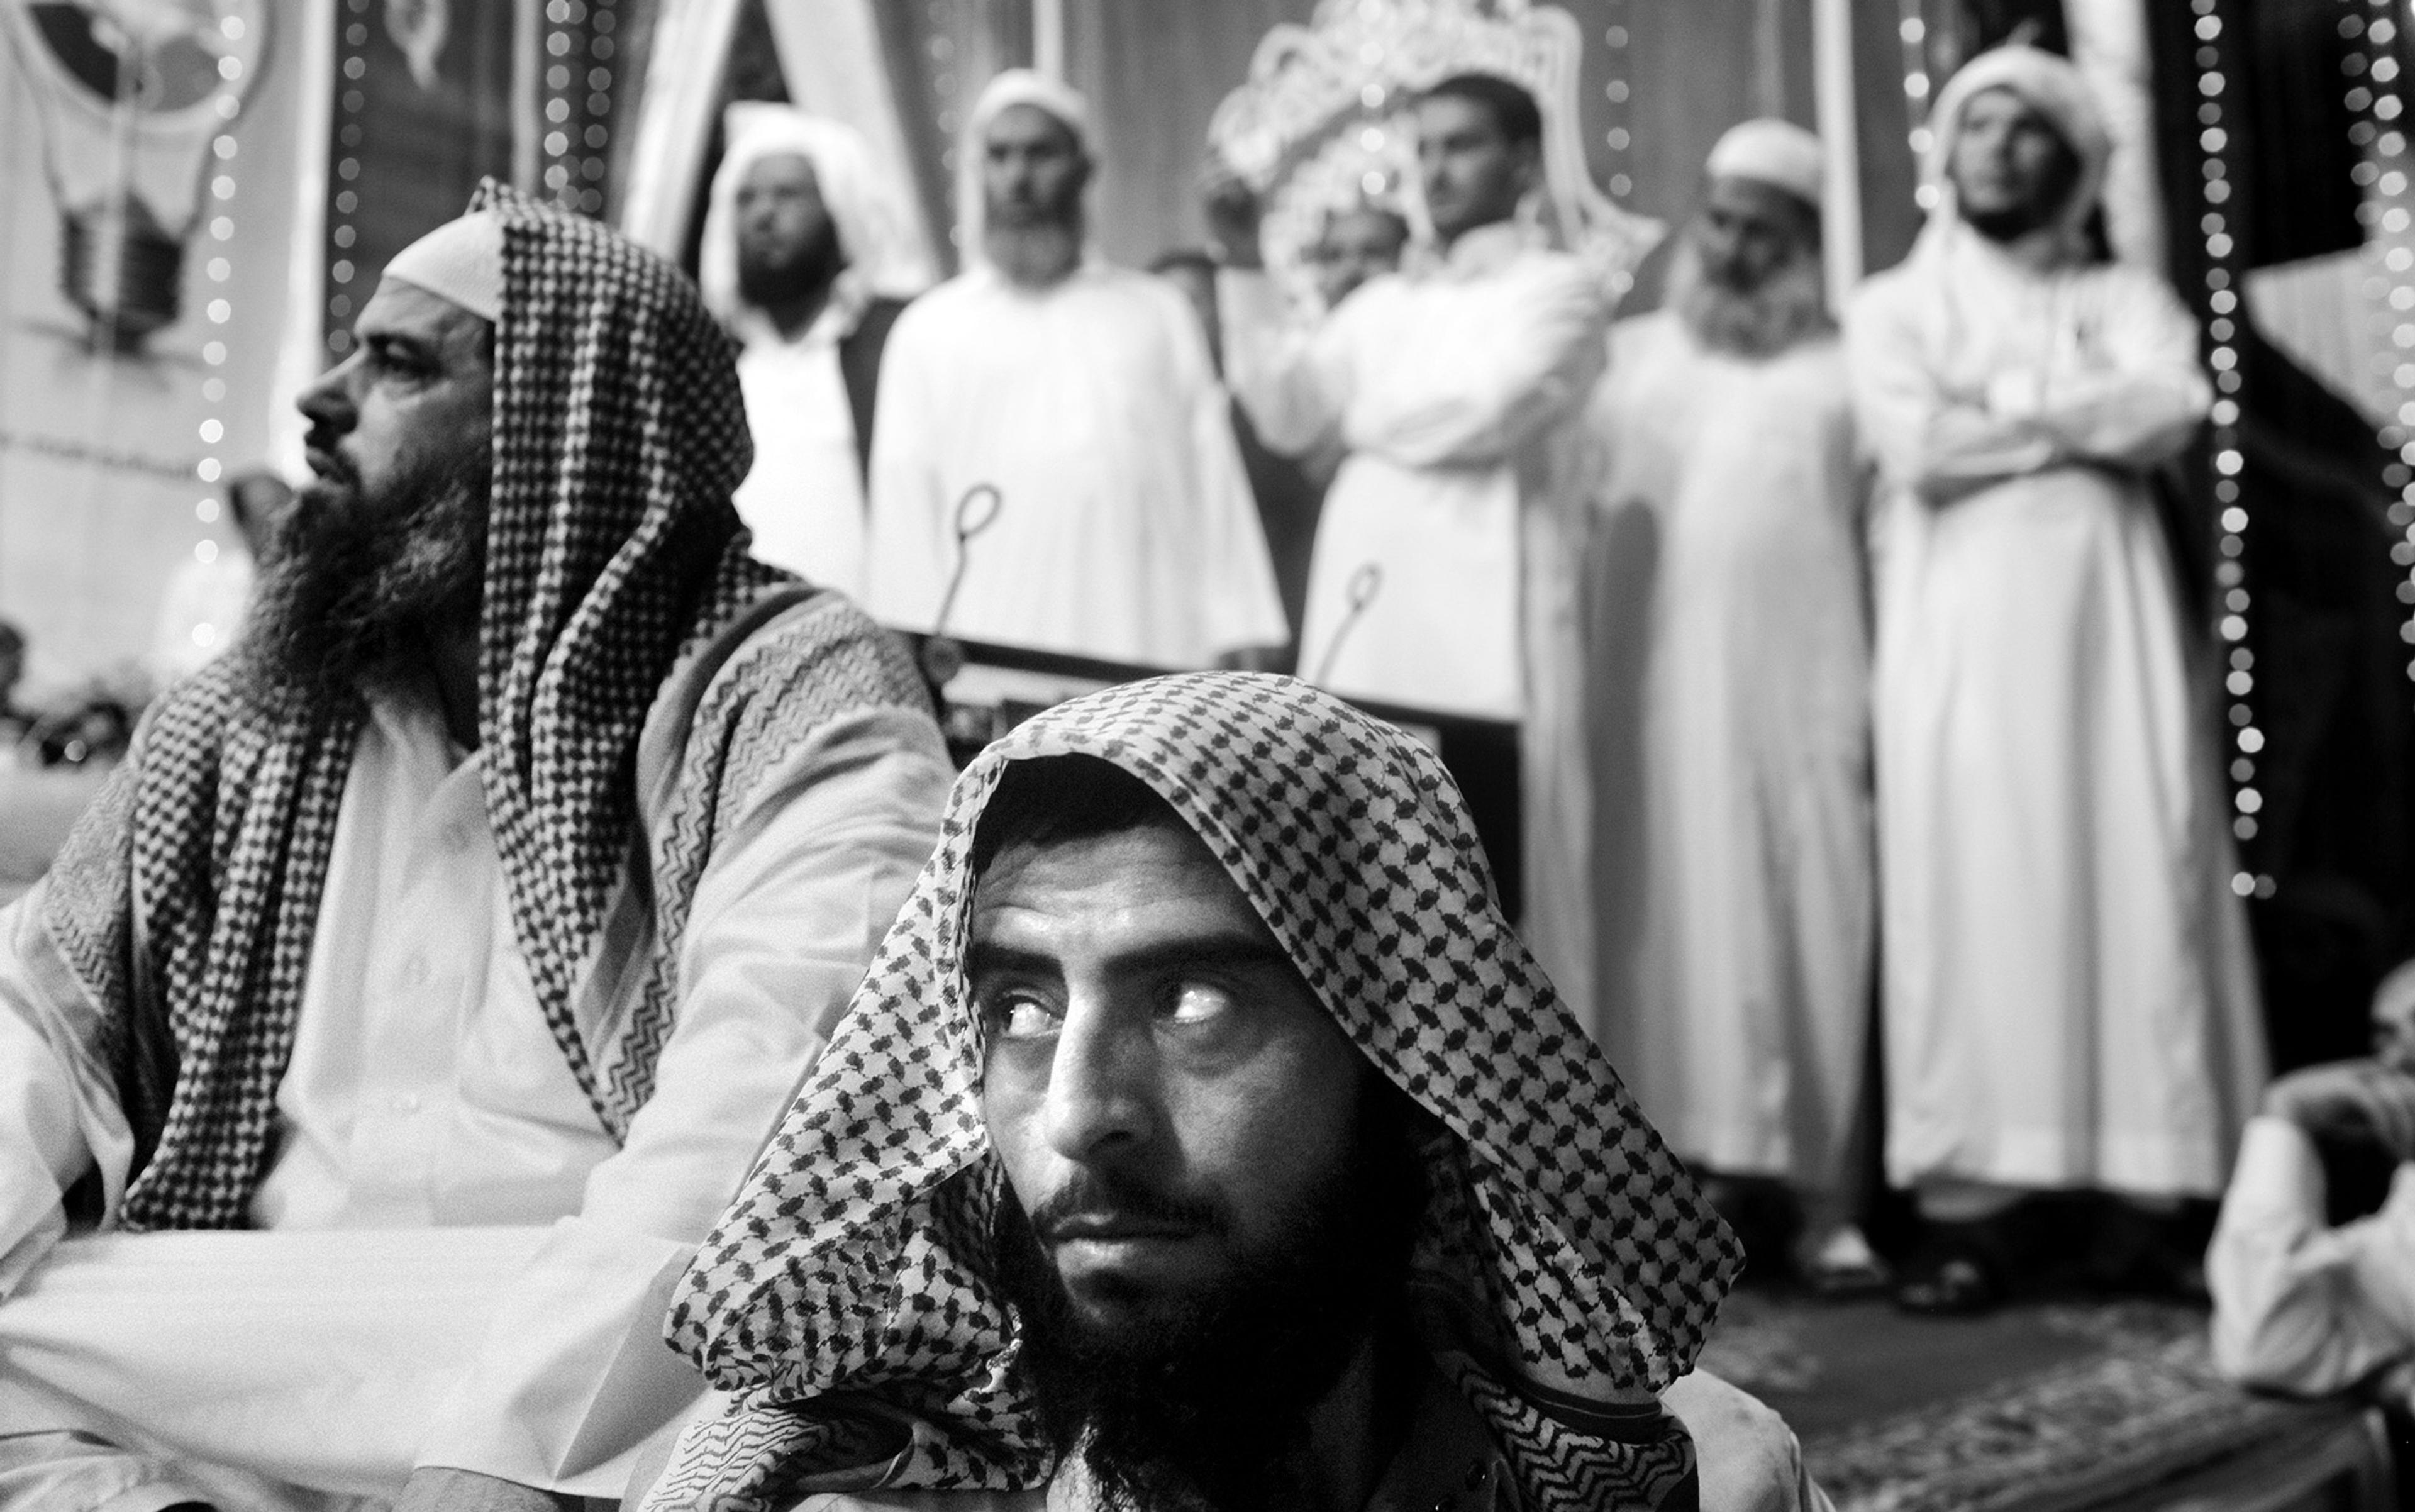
(1445, 571)
(1732, 658)
(1121, 526)
(459, 935)
(1205, 1138)
(806, 259)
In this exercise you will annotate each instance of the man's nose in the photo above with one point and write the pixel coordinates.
(329, 401)
(1101, 1087)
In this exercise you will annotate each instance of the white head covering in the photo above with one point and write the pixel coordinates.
(882, 261)
(1773, 152)
(462, 260)
(2049, 86)
(1013, 87)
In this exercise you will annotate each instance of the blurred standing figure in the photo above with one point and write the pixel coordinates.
(2069, 999)
(207, 597)
(1360, 241)
(807, 261)
(1445, 570)
(1083, 394)
(1737, 998)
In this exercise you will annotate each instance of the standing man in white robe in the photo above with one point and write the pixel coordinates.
(1738, 904)
(2069, 999)
(807, 260)
(1444, 576)
(1123, 526)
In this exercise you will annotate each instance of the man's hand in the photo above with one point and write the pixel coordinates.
(1232, 211)
(2358, 1100)
(434, 1490)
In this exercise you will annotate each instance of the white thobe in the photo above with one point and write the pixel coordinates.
(1445, 571)
(2297, 1305)
(2069, 999)
(804, 498)
(1124, 528)
(456, 1266)
(1731, 721)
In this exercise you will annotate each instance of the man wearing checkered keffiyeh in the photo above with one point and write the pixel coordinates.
(1205, 1136)
(460, 934)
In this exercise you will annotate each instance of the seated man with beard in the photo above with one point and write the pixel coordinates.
(461, 933)
(1204, 1137)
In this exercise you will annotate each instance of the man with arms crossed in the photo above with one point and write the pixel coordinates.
(460, 932)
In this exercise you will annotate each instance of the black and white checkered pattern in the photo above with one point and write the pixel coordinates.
(1566, 1267)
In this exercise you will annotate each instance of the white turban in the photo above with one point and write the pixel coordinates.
(1773, 152)
(1059, 101)
(874, 233)
(2049, 86)
(462, 260)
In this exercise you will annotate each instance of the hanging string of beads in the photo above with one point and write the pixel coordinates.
(579, 51)
(2387, 209)
(1618, 138)
(1912, 33)
(219, 311)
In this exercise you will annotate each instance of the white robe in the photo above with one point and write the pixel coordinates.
(1445, 571)
(1732, 690)
(2069, 998)
(451, 1263)
(804, 498)
(1125, 529)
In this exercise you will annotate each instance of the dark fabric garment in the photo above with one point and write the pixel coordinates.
(859, 367)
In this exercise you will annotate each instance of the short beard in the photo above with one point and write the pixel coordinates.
(804, 275)
(1759, 323)
(1036, 254)
(356, 586)
(1208, 1406)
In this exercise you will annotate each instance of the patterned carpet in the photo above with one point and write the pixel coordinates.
(2062, 1406)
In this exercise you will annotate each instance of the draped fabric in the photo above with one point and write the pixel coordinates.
(186, 901)
(1564, 1270)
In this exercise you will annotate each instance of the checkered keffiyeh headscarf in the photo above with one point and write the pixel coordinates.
(1565, 1267)
(185, 902)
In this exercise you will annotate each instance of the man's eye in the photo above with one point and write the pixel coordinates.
(1021, 1016)
(1196, 1002)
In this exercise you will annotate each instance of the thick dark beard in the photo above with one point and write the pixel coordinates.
(354, 586)
(804, 274)
(1204, 1406)
(1786, 307)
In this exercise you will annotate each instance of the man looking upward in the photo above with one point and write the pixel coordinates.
(1734, 875)
(806, 261)
(1083, 394)
(1444, 576)
(459, 934)
(1206, 1138)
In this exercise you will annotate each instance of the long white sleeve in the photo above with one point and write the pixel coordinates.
(2297, 1306)
(59, 1117)
(1480, 392)
(530, 1354)
(1924, 437)
(1293, 381)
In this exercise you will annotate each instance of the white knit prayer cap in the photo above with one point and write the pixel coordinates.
(1773, 152)
(874, 232)
(462, 260)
